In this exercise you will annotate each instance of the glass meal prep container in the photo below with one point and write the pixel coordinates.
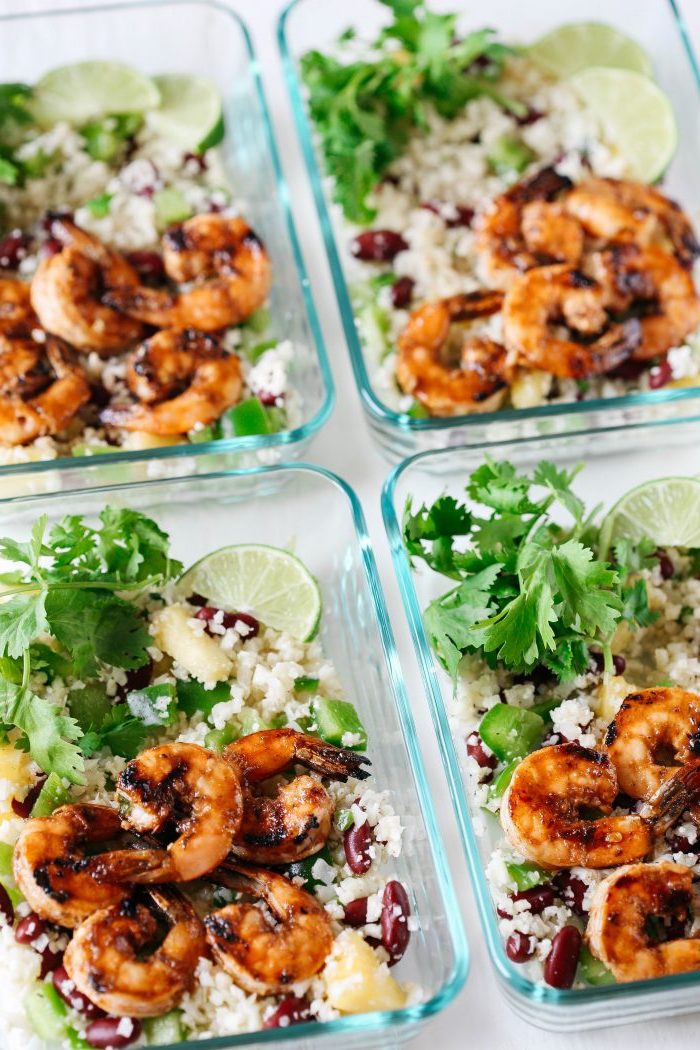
(426, 476)
(301, 507)
(196, 37)
(315, 24)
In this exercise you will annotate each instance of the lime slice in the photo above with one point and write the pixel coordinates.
(89, 90)
(666, 511)
(635, 115)
(272, 584)
(577, 45)
(189, 113)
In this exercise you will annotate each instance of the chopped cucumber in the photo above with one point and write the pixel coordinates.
(47, 1013)
(170, 206)
(259, 321)
(306, 684)
(592, 970)
(213, 432)
(52, 795)
(160, 1031)
(511, 732)
(418, 411)
(218, 739)
(335, 718)
(251, 722)
(99, 206)
(344, 819)
(6, 852)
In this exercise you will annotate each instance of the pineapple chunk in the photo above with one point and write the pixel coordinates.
(136, 440)
(15, 769)
(530, 389)
(356, 982)
(199, 654)
(609, 695)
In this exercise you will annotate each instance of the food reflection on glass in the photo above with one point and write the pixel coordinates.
(132, 288)
(572, 645)
(192, 843)
(505, 246)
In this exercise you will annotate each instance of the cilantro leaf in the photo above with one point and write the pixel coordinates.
(94, 627)
(120, 731)
(22, 618)
(50, 733)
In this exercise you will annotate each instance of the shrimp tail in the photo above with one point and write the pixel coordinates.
(142, 866)
(677, 793)
(152, 305)
(330, 761)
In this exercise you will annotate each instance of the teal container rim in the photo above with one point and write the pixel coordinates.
(410, 1015)
(372, 404)
(251, 442)
(506, 970)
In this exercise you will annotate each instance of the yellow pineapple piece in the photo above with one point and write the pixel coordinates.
(356, 982)
(530, 389)
(136, 440)
(200, 654)
(609, 695)
(15, 767)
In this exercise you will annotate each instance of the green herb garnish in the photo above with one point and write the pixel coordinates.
(64, 585)
(530, 590)
(366, 110)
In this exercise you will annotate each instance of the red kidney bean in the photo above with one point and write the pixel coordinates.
(573, 892)
(23, 807)
(50, 960)
(55, 216)
(394, 921)
(477, 751)
(356, 843)
(29, 928)
(560, 965)
(531, 116)
(402, 292)
(355, 913)
(208, 612)
(539, 898)
(518, 947)
(140, 677)
(148, 264)
(680, 844)
(6, 908)
(377, 245)
(50, 247)
(102, 1033)
(71, 995)
(268, 399)
(665, 564)
(13, 249)
(660, 375)
(452, 215)
(198, 158)
(289, 1011)
(619, 662)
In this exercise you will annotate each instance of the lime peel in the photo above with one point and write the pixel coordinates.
(85, 91)
(666, 510)
(578, 45)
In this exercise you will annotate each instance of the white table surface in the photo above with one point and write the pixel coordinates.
(478, 1018)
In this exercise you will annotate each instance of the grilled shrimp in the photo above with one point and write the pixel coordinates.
(619, 210)
(105, 959)
(653, 281)
(69, 290)
(542, 301)
(160, 368)
(51, 867)
(653, 732)
(475, 380)
(542, 811)
(526, 227)
(17, 318)
(264, 956)
(296, 821)
(229, 268)
(627, 910)
(41, 389)
(176, 788)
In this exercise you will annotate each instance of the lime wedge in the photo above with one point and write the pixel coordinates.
(635, 115)
(577, 45)
(189, 113)
(272, 584)
(666, 511)
(88, 90)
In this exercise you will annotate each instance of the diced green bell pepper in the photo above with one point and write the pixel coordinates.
(335, 718)
(499, 785)
(170, 206)
(258, 321)
(302, 868)
(47, 1013)
(6, 852)
(52, 795)
(527, 875)
(509, 155)
(544, 708)
(344, 819)
(193, 697)
(511, 732)
(306, 684)
(154, 705)
(249, 417)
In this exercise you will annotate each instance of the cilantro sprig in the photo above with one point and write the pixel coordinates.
(74, 584)
(364, 111)
(531, 590)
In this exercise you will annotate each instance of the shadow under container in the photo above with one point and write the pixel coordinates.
(205, 38)
(301, 508)
(316, 24)
(427, 476)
